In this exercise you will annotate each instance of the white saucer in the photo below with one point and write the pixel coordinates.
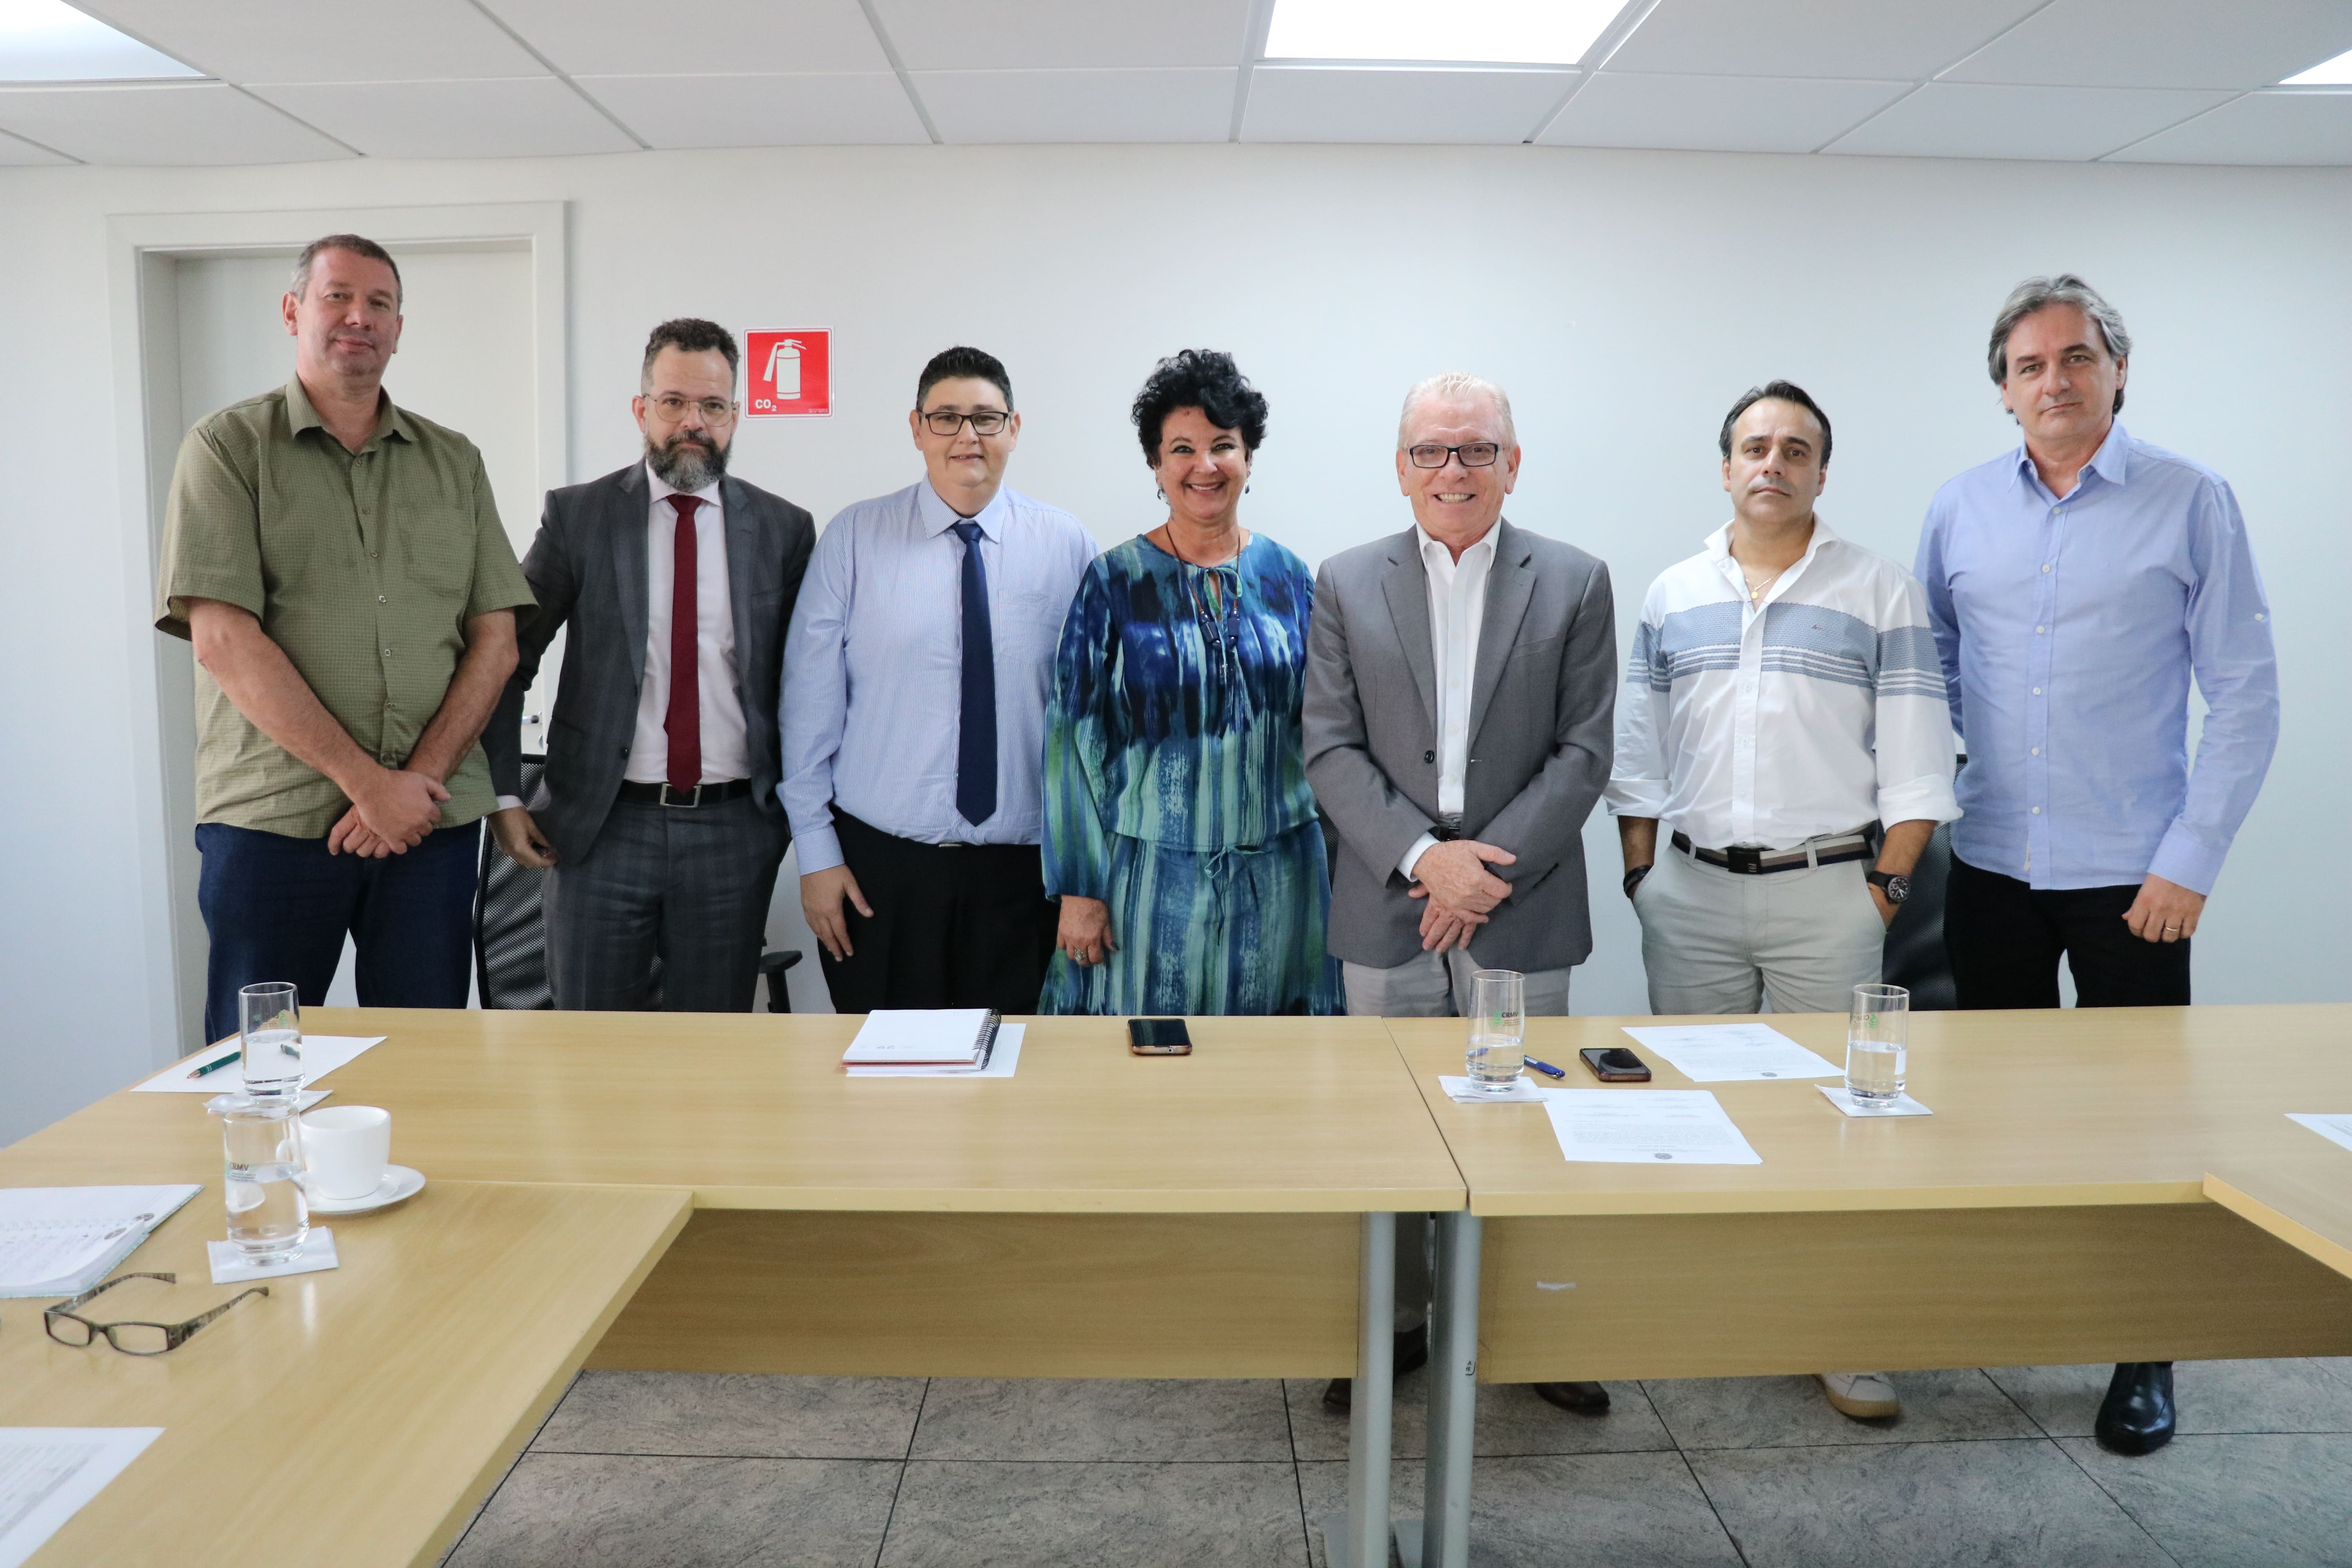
(400, 1184)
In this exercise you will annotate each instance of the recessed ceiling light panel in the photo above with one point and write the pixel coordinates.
(1514, 32)
(2336, 72)
(48, 40)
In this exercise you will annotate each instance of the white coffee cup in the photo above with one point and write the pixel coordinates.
(346, 1149)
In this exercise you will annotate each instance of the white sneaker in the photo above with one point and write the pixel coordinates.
(1863, 1395)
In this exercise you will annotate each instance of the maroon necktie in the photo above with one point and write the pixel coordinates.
(684, 719)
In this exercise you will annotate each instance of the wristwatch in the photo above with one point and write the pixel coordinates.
(1633, 878)
(1893, 884)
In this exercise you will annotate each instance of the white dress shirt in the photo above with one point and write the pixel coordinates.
(1457, 612)
(1813, 713)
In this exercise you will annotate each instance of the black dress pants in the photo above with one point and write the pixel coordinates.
(953, 926)
(2005, 939)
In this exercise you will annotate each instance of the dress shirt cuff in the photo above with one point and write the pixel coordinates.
(816, 847)
(1639, 797)
(1925, 799)
(2186, 858)
(509, 802)
(1426, 842)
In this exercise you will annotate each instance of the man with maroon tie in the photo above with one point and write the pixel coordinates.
(657, 818)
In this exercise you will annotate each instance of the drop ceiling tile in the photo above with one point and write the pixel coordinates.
(1955, 120)
(2164, 43)
(760, 110)
(302, 40)
(1067, 35)
(17, 153)
(1332, 103)
(175, 122)
(525, 117)
(2294, 125)
(1193, 104)
(744, 38)
(1717, 113)
(1885, 39)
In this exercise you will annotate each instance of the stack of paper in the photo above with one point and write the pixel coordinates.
(1732, 1053)
(924, 1042)
(322, 1054)
(61, 1241)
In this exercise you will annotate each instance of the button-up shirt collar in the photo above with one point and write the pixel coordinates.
(303, 414)
(938, 517)
(2111, 462)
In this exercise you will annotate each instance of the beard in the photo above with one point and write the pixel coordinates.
(687, 462)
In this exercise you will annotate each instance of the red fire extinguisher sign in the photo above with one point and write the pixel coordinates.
(791, 374)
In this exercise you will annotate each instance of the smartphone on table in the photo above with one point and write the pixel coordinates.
(1615, 1064)
(1158, 1037)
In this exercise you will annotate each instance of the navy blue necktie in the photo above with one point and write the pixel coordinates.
(976, 742)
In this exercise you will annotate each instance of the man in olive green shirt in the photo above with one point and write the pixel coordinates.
(340, 566)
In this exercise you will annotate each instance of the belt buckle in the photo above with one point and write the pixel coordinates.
(693, 800)
(1744, 859)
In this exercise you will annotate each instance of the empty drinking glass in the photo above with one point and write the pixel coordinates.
(261, 1148)
(1877, 1036)
(271, 1020)
(1498, 1029)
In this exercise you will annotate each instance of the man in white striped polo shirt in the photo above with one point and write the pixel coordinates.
(1783, 721)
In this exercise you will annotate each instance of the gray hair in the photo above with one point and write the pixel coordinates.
(358, 245)
(1459, 383)
(2036, 294)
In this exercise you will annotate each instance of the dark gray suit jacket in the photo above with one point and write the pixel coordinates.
(1543, 698)
(588, 566)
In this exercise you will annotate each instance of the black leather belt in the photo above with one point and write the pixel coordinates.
(700, 795)
(1748, 861)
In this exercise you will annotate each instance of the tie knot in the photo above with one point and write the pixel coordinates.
(686, 506)
(967, 531)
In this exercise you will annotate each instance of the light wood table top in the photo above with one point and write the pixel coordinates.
(1267, 1115)
(2124, 1105)
(2300, 1191)
(374, 1404)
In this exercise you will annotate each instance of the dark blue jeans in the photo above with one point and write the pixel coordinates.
(278, 907)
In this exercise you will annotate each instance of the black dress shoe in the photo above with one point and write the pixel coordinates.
(1412, 1355)
(2136, 1416)
(1580, 1398)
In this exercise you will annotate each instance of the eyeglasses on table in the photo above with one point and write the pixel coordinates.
(131, 1338)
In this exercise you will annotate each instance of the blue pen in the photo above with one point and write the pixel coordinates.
(1544, 1068)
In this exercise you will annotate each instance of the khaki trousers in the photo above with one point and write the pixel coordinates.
(1715, 941)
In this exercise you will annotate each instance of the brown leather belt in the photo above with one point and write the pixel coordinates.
(1748, 861)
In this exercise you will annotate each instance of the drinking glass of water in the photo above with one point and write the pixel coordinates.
(270, 1019)
(1877, 1036)
(261, 1148)
(1498, 1029)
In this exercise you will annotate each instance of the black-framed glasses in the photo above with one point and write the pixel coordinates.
(131, 1339)
(672, 408)
(984, 422)
(1473, 454)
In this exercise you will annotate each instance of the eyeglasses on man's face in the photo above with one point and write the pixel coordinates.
(131, 1339)
(672, 408)
(983, 421)
(1473, 454)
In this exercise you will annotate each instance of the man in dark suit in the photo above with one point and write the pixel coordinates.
(658, 818)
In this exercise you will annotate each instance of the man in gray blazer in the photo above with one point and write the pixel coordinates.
(1461, 681)
(657, 818)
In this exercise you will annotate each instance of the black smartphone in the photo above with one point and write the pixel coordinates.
(1615, 1064)
(1158, 1037)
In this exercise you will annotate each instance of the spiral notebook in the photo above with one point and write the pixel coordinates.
(61, 1241)
(951, 1038)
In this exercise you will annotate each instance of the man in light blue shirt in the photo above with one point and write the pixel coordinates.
(916, 673)
(2075, 586)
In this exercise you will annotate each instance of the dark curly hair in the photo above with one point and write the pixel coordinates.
(1205, 379)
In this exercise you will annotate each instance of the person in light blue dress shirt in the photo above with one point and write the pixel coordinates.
(916, 669)
(2076, 586)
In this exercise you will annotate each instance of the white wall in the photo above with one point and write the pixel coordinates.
(1623, 297)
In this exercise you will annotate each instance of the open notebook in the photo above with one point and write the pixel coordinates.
(942, 1037)
(61, 1241)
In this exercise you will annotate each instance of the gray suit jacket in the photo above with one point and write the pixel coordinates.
(588, 566)
(1543, 697)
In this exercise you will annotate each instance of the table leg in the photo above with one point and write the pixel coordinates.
(1453, 1393)
(1370, 1409)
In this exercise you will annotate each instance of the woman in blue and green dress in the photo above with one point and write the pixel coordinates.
(1179, 833)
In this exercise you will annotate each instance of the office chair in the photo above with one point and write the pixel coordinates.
(1914, 942)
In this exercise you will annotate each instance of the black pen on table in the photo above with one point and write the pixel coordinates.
(1544, 1068)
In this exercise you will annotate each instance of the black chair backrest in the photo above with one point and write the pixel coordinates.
(510, 945)
(1914, 942)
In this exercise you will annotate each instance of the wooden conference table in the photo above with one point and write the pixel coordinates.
(2055, 1209)
(1226, 1215)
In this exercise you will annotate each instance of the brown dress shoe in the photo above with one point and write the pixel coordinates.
(1578, 1398)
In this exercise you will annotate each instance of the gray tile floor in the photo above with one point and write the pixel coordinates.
(1991, 1467)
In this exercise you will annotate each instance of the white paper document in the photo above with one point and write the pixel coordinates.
(919, 1036)
(1646, 1127)
(230, 1267)
(322, 1054)
(2335, 1129)
(48, 1473)
(1732, 1053)
(1522, 1092)
(1001, 1061)
(61, 1241)
(1901, 1105)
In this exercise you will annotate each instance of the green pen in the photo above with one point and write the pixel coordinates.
(216, 1065)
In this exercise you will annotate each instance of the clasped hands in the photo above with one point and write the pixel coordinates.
(391, 813)
(1462, 893)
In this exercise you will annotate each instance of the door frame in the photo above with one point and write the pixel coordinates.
(142, 252)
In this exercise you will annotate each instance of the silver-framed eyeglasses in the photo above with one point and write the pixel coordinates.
(672, 408)
(131, 1339)
(983, 421)
(1473, 454)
